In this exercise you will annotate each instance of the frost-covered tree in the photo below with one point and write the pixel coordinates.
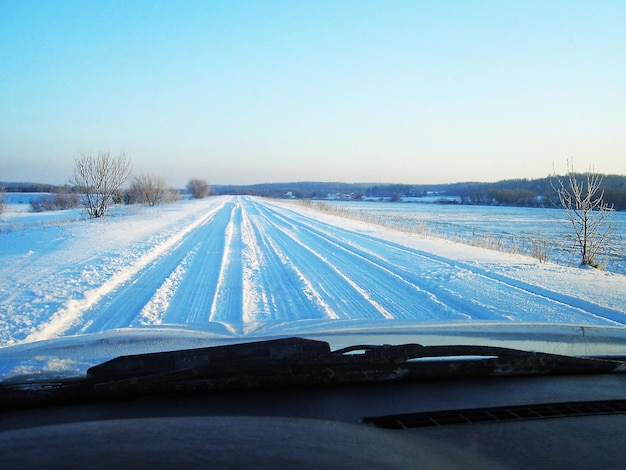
(582, 199)
(150, 190)
(198, 188)
(98, 179)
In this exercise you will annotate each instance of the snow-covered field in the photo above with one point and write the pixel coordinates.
(533, 231)
(247, 266)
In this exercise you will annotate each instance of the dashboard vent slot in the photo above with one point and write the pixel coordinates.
(497, 414)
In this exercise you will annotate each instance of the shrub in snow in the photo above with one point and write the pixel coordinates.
(62, 199)
(99, 179)
(198, 188)
(149, 190)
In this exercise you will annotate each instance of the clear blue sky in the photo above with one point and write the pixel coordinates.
(244, 92)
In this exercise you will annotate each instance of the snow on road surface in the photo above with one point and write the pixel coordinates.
(238, 265)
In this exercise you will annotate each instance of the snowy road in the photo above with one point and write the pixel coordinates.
(241, 262)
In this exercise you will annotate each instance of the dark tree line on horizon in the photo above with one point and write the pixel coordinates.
(514, 192)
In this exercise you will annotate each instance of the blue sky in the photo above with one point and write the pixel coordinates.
(242, 92)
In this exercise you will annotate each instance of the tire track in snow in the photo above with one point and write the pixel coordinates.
(65, 317)
(227, 305)
(289, 292)
(586, 310)
(374, 305)
(431, 302)
(401, 292)
(513, 287)
(312, 294)
(255, 296)
(152, 313)
(192, 301)
(122, 308)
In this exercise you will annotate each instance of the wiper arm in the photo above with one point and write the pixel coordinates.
(463, 360)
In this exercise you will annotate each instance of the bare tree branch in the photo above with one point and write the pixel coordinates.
(582, 199)
(98, 179)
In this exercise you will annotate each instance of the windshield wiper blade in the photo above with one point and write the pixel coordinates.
(294, 361)
(254, 353)
(297, 362)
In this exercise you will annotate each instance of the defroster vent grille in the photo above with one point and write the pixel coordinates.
(497, 414)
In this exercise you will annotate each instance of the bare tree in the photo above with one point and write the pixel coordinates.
(171, 195)
(98, 179)
(581, 197)
(149, 190)
(198, 188)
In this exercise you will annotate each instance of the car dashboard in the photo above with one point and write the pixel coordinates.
(573, 421)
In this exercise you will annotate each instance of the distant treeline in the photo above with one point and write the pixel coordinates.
(515, 192)
(28, 187)
(299, 190)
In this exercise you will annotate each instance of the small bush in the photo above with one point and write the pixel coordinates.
(539, 249)
(198, 188)
(150, 190)
(62, 199)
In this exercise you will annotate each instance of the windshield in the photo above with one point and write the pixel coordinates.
(183, 175)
